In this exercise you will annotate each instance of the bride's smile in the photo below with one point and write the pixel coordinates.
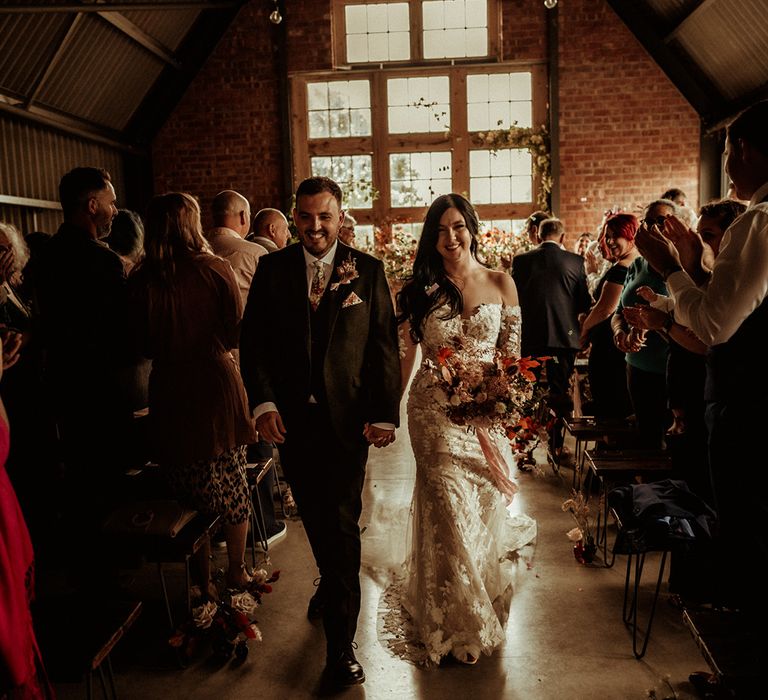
(453, 236)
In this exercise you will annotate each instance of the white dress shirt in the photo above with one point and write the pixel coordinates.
(739, 280)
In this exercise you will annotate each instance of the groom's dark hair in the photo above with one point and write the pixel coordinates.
(316, 185)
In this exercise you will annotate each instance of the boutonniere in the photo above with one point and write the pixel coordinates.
(346, 272)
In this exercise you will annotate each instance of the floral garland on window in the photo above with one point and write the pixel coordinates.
(536, 141)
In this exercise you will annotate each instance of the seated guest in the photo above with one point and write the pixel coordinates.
(607, 367)
(187, 309)
(127, 238)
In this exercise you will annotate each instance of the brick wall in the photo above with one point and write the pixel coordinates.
(225, 132)
(626, 133)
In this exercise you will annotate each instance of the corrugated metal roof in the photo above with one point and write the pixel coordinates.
(736, 61)
(102, 76)
(168, 27)
(27, 44)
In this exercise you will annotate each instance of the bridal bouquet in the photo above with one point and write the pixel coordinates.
(502, 394)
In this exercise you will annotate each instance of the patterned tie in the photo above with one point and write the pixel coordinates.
(318, 286)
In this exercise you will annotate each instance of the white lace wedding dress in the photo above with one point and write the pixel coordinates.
(458, 576)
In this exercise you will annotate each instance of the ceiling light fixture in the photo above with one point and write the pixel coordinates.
(550, 4)
(275, 17)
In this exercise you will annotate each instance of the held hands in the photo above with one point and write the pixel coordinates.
(630, 342)
(647, 294)
(378, 437)
(270, 427)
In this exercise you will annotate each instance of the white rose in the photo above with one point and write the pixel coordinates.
(244, 602)
(455, 400)
(574, 535)
(203, 615)
(501, 408)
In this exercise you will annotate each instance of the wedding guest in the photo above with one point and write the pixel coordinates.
(347, 230)
(607, 367)
(645, 352)
(582, 242)
(270, 229)
(552, 284)
(126, 238)
(187, 309)
(676, 195)
(458, 586)
(232, 221)
(80, 290)
(22, 673)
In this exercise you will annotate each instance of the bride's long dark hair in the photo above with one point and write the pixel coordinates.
(419, 296)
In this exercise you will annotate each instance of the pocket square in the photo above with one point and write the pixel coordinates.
(351, 300)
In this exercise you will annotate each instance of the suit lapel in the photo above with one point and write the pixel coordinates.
(336, 297)
(297, 292)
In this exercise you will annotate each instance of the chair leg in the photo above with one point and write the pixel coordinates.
(629, 613)
(165, 595)
(111, 677)
(89, 685)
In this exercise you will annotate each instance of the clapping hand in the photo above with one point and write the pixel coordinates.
(646, 293)
(688, 244)
(658, 250)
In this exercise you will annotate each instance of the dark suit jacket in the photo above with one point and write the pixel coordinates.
(361, 370)
(552, 287)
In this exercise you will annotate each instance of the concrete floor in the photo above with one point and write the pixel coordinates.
(565, 637)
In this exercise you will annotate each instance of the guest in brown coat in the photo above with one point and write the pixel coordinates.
(188, 308)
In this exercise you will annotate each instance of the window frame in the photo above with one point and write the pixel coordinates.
(339, 34)
(380, 143)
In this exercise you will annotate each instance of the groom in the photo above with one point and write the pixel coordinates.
(319, 358)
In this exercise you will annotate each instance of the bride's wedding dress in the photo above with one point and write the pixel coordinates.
(458, 575)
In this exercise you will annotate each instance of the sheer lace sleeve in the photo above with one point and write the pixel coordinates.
(509, 333)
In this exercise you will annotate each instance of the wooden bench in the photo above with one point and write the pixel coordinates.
(586, 429)
(616, 467)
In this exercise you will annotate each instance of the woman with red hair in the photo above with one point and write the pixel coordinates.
(607, 367)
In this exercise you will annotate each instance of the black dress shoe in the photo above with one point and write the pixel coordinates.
(316, 605)
(344, 670)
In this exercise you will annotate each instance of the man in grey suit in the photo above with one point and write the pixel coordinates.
(326, 391)
(552, 286)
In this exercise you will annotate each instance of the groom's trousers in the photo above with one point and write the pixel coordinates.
(326, 478)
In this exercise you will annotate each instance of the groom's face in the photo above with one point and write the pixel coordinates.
(318, 219)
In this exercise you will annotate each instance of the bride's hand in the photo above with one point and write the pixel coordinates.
(378, 437)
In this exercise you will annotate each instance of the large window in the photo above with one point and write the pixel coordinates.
(398, 134)
(371, 31)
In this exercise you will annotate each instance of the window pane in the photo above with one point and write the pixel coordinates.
(498, 100)
(501, 178)
(377, 32)
(352, 173)
(454, 28)
(330, 109)
(417, 178)
(418, 105)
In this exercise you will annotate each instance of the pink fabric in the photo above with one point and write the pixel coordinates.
(497, 464)
(18, 648)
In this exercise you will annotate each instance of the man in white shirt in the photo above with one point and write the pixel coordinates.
(270, 229)
(232, 221)
(728, 311)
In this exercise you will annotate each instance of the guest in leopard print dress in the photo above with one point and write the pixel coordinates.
(187, 309)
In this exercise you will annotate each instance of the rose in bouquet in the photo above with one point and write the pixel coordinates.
(501, 394)
(226, 624)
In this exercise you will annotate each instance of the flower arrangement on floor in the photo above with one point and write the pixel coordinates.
(534, 140)
(584, 548)
(226, 625)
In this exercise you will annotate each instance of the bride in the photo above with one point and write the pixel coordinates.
(457, 588)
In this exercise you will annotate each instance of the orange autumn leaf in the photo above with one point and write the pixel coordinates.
(443, 354)
(527, 362)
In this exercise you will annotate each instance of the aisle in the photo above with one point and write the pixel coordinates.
(565, 638)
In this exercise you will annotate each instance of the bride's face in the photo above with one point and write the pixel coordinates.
(453, 236)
